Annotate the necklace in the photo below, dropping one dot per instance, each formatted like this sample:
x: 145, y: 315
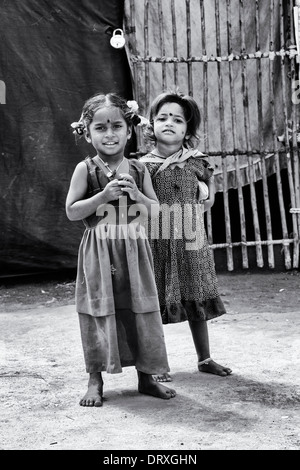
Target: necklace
x: 111, y: 173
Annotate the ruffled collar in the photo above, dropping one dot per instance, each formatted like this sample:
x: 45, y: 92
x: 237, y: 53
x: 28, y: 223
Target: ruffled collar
x: 177, y: 159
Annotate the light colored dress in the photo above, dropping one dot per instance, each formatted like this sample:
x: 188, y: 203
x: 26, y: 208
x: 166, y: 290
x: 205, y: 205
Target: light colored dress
x: 116, y: 294
x: 183, y: 261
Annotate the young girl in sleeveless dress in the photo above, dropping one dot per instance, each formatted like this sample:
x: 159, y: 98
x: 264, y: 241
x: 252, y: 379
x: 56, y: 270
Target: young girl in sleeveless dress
x: 183, y: 261
x: 116, y: 295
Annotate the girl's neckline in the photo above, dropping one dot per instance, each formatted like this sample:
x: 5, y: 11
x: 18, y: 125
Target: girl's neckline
x: 112, y: 173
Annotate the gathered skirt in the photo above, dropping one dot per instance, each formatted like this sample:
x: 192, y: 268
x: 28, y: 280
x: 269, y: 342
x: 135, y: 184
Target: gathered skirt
x: 117, y: 301
x: 124, y: 339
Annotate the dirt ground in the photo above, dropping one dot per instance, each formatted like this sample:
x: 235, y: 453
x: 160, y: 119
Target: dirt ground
x: 42, y: 375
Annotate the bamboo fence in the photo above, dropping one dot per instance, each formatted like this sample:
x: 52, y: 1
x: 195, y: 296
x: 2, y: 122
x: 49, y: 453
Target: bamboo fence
x: 276, y: 70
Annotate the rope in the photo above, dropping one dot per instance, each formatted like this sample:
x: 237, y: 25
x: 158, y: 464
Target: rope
x: 291, y: 53
x: 284, y: 242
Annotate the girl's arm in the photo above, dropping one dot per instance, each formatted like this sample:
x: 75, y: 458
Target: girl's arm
x: 150, y: 193
x: 77, y: 206
x: 148, y: 190
x: 209, y: 202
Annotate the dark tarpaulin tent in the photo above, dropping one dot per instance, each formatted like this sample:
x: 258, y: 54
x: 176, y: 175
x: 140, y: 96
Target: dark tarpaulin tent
x: 53, y: 56
x: 236, y: 58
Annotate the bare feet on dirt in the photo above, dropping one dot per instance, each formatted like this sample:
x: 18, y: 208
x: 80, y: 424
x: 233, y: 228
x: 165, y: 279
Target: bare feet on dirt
x: 94, y: 394
x: 162, y: 378
x: 213, y: 367
x: 149, y: 386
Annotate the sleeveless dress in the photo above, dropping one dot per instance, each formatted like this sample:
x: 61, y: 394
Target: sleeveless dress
x: 116, y: 295
x: 183, y: 261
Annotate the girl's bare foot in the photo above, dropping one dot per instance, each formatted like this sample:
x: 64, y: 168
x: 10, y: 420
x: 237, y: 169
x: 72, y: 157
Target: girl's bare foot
x: 212, y: 367
x: 162, y: 378
x: 149, y: 386
x: 94, y: 394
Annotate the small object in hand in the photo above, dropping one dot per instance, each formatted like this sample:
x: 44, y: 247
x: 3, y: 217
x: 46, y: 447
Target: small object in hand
x: 123, y: 178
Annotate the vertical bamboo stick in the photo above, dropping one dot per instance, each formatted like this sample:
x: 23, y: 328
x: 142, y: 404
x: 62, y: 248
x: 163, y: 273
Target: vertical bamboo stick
x: 162, y: 43
x: 296, y: 119
x: 286, y: 249
x: 133, y: 42
x: 259, y: 255
x: 295, y: 127
x: 260, y: 123
x: 135, y: 69
x: 245, y: 263
x: 146, y: 53
x: 204, y: 81
x: 189, y: 47
x: 287, y: 146
x: 230, y: 264
x: 296, y: 161
x: 174, y: 35
x: 205, y: 110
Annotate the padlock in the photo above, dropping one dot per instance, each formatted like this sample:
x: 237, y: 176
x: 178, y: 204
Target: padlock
x: 117, y: 40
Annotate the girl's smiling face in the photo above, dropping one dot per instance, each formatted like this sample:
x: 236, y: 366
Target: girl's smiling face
x: 108, y: 132
x: 170, y: 126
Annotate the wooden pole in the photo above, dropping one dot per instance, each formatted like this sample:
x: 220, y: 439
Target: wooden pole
x: 146, y: 53
x: 162, y: 43
x: 259, y: 255
x: 245, y: 263
x: 133, y: 40
x: 230, y: 264
x: 287, y: 145
x: 295, y: 126
x: 260, y: 123
x: 205, y: 110
x: 189, y: 48
x: 174, y: 36
x: 286, y: 250
x: 204, y: 80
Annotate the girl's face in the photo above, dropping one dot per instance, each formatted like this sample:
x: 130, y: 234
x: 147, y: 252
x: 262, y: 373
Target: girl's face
x: 170, y: 126
x: 108, y: 132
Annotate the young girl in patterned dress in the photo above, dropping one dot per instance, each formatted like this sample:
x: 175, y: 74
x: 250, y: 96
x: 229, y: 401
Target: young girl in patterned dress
x: 183, y: 261
x: 116, y: 296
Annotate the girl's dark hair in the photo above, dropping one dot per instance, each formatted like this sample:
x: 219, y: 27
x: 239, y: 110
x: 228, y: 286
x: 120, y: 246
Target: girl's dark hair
x: 99, y: 101
x: 190, y: 109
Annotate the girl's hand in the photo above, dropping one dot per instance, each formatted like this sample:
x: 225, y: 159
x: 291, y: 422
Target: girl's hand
x: 209, y: 202
x: 128, y: 185
x: 112, y: 191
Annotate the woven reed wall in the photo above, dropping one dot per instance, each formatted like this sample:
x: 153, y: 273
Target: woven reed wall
x: 240, y: 61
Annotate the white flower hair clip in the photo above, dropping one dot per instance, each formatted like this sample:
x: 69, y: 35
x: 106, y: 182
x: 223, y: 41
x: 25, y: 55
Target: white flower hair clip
x: 133, y: 114
x: 133, y: 106
x: 78, y: 127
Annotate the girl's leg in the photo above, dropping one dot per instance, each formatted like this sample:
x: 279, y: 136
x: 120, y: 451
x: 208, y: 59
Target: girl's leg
x: 200, y: 336
x: 149, y: 386
x: 94, y: 394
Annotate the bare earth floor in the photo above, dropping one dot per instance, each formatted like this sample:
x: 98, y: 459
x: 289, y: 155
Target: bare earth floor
x: 42, y: 375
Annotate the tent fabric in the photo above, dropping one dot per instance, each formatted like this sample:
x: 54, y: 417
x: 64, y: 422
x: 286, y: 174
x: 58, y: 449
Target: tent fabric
x: 164, y: 35
x: 53, y: 56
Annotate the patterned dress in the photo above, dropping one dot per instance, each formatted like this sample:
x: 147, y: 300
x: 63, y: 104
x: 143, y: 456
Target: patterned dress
x: 183, y: 261
x: 116, y: 295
